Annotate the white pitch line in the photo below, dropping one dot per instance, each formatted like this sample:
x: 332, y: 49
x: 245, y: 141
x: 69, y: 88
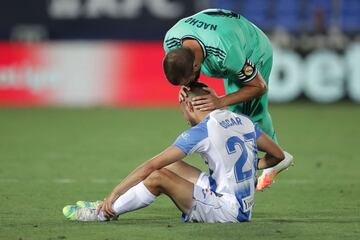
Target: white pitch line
x: 98, y: 180
x: 59, y: 180
x: 104, y: 181
x: 9, y: 180
x: 64, y: 180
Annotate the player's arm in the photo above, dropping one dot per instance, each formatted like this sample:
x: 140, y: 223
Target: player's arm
x: 167, y: 157
x: 273, y: 153
x: 250, y: 90
x: 247, y: 74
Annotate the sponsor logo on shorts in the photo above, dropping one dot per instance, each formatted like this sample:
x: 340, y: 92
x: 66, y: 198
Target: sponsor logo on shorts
x: 204, y: 191
x: 247, y: 203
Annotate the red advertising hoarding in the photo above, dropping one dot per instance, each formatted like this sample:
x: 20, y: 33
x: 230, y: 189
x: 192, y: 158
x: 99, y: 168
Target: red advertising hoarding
x: 110, y: 73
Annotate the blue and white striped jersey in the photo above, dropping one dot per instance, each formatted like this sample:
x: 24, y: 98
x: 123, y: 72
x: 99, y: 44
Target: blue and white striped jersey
x: 227, y: 143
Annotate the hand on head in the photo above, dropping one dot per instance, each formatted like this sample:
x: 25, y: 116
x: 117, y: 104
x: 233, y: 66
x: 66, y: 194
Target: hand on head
x: 203, y: 98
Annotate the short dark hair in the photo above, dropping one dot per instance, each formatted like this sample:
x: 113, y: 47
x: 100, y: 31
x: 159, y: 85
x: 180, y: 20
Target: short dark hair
x: 196, y: 89
x: 178, y: 64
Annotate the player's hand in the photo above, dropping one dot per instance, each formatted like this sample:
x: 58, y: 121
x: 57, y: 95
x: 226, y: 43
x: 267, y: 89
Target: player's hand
x: 207, y: 102
x: 106, y: 208
x: 182, y: 93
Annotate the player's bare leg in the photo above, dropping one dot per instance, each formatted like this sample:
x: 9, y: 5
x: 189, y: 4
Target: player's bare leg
x: 185, y: 171
x: 177, y: 188
x: 180, y: 168
x: 141, y: 195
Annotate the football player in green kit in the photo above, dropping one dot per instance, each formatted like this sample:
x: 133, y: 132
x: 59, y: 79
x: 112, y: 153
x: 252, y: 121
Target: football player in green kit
x: 223, y: 44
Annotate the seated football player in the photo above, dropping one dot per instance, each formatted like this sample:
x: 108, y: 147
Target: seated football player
x: 228, y: 143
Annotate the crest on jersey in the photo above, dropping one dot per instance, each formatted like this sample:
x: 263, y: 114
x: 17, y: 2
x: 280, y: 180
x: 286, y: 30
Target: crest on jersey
x: 248, y: 71
x: 185, y: 136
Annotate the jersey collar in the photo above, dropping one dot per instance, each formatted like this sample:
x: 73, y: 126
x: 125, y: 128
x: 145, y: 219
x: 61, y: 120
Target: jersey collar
x: 199, y: 41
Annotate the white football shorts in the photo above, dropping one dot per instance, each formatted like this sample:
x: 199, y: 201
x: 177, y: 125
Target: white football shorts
x: 210, y: 207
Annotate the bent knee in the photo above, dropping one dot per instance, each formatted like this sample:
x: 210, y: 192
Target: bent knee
x: 156, y: 177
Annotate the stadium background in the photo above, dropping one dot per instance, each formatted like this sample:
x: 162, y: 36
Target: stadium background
x: 83, y: 101
x: 90, y: 52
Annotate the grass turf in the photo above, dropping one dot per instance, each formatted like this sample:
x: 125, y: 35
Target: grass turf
x: 53, y: 157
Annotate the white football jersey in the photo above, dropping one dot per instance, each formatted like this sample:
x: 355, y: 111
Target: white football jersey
x: 227, y: 143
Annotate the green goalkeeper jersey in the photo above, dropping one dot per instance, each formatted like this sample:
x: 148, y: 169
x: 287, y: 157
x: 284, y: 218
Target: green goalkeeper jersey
x: 233, y: 48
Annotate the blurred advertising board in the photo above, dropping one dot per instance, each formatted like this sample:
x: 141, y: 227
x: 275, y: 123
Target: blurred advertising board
x: 90, y: 19
x: 322, y: 75
x: 85, y: 74
x: 130, y: 74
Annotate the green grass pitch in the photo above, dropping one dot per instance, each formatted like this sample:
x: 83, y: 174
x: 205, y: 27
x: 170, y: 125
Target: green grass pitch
x: 53, y: 157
